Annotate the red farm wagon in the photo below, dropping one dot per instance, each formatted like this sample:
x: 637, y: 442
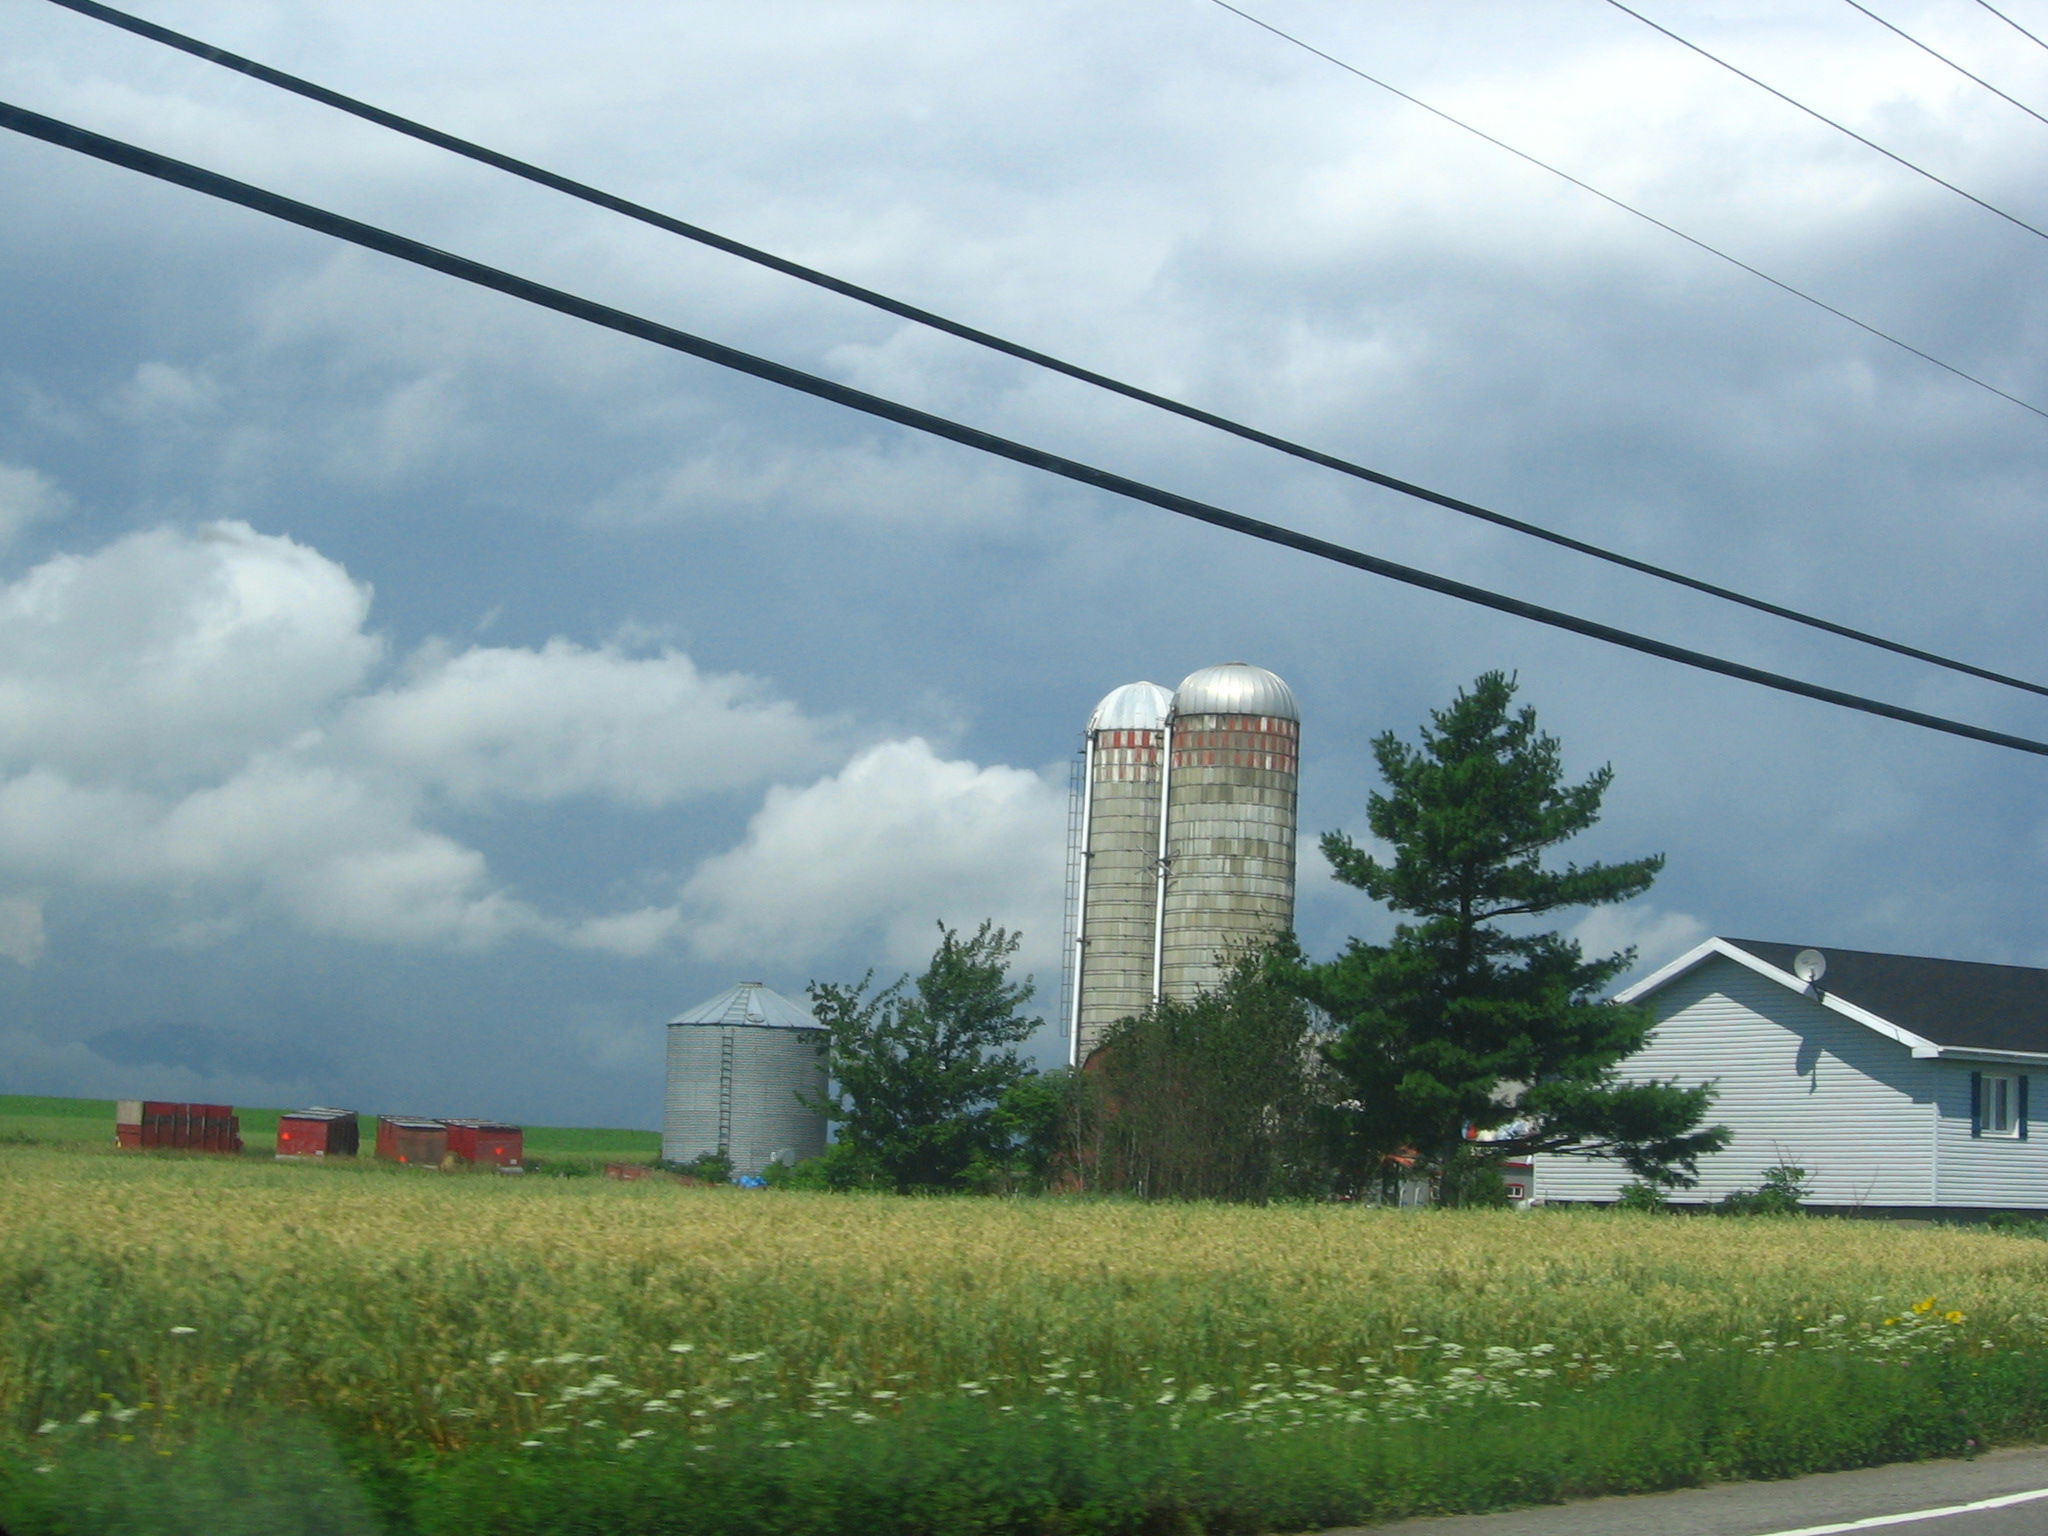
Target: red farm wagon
x: 318, y: 1132
x: 410, y: 1139
x: 486, y: 1141
x: 169, y: 1123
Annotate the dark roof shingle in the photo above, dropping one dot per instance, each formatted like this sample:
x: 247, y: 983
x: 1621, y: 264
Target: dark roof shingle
x: 1961, y: 1003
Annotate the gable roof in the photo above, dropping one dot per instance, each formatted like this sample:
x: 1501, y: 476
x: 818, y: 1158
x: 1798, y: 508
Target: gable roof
x: 1935, y: 1007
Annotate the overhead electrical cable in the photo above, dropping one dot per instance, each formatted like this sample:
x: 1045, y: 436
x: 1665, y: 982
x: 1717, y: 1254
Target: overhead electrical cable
x: 1044, y: 360
x: 2023, y: 32
x: 1951, y: 63
x: 1629, y: 208
x: 1842, y: 128
x: 338, y: 226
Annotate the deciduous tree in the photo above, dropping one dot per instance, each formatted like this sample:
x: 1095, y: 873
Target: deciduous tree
x: 1213, y: 1098
x: 919, y: 1067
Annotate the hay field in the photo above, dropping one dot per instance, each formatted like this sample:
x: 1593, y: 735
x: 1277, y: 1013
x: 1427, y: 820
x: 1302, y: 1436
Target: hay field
x: 433, y: 1316
x: 384, y: 1294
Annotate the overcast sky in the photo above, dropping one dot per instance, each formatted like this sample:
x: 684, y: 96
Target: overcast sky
x: 411, y: 699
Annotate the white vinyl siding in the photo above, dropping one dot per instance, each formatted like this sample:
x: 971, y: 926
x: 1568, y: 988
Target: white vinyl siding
x: 1797, y: 1083
x: 1990, y: 1171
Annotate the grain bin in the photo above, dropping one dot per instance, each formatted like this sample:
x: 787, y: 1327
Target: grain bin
x: 737, y: 1064
x: 1117, y: 863
x: 1227, y: 850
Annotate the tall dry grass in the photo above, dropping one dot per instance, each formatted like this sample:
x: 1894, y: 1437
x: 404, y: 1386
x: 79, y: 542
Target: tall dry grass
x: 421, y: 1307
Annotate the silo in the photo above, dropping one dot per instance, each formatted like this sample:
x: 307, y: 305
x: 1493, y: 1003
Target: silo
x: 736, y: 1065
x: 1114, y: 957
x: 1232, y: 773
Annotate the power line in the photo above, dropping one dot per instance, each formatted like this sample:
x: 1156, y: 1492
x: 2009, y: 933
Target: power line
x: 2023, y: 32
x: 1629, y: 208
x: 645, y: 215
x: 323, y: 221
x: 1951, y: 63
x: 1842, y: 128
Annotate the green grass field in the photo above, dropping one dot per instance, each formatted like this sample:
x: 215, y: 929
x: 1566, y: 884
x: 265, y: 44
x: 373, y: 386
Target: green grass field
x: 248, y: 1345
x: 29, y: 1119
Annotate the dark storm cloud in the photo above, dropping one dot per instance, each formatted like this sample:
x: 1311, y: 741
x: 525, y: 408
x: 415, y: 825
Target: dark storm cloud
x: 1153, y: 190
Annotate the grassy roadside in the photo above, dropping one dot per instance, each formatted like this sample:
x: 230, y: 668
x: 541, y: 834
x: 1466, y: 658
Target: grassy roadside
x: 306, y: 1345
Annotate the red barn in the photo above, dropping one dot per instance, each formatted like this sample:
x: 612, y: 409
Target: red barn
x: 486, y: 1141
x: 410, y: 1139
x: 318, y: 1132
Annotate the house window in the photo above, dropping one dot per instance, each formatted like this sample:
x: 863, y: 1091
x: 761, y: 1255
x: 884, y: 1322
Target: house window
x: 1998, y: 1105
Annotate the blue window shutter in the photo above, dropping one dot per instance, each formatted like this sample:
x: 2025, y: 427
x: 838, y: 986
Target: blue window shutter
x: 1976, y: 1103
x: 2020, y: 1109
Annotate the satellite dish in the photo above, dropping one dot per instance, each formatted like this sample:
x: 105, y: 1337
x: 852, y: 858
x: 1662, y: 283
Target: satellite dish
x: 1809, y: 965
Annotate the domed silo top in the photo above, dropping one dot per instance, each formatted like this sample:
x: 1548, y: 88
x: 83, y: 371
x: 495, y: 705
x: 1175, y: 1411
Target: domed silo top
x: 1133, y: 707
x: 749, y: 1003
x: 1236, y: 688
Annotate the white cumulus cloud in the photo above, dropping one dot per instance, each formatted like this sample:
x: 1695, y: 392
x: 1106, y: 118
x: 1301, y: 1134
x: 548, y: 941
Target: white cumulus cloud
x: 200, y: 715
x: 26, y: 496
x: 877, y: 853
x: 568, y: 720
x: 171, y: 654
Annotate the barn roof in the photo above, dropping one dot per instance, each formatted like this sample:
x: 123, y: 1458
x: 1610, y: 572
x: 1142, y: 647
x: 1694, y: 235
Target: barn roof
x: 1937, y: 1007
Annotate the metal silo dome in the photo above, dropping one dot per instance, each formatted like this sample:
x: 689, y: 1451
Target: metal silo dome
x: 1235, y: 688
x: 741, y: 1066
x: 1133, y: 707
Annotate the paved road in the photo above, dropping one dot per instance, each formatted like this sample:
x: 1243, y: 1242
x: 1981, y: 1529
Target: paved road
x: 1830, y: 1501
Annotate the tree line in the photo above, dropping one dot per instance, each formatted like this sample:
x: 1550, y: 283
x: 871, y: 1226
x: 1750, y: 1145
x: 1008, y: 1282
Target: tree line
x: 1470, y: 1038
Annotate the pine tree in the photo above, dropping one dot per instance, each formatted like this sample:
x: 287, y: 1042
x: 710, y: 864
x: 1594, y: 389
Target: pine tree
x: 1472, y: 1036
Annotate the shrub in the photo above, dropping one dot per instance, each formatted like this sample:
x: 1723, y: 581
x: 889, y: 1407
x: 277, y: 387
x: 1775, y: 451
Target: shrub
x: 1783, y: 1193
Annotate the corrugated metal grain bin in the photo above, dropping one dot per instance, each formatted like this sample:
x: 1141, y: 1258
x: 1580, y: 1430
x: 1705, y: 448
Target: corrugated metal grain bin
x: 486, y: 1141
x: 412, y: 1140
x: 318, y: 1132
x: 745, y: 1074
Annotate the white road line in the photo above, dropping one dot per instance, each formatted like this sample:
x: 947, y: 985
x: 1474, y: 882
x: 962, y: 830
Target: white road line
x: 2001, y: 1502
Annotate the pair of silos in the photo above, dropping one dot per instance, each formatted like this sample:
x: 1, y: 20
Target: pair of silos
x: 1185, y: 838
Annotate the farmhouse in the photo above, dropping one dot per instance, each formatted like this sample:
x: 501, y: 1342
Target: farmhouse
x: 1900, y: 1084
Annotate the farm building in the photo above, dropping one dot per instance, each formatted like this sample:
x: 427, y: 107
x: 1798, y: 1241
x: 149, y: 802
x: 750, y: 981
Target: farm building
x: 318, y: 1132
x: 1901, y: 1085
x: 1180, y: 847
x: 741, y: 1066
